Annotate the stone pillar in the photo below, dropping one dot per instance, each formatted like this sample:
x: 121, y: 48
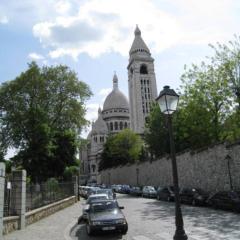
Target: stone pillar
x: 18, y: 197
x: 75, y: 185
x: 2, y: 185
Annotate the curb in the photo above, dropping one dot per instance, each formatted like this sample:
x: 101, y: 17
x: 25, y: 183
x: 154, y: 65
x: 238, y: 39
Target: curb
x: 69, y: 229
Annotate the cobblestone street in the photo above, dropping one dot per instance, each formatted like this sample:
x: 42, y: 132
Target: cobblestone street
x: 149, y: 219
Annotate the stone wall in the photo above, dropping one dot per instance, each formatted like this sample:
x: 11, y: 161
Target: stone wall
x: 207, y: 169
x: 12, y: 223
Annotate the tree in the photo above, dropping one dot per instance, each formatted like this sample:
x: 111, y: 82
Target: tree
x: 228, y: 57
x: 156, y: 132
x: 122, y: 148
x: 204, y: 106
x: 36, y: 108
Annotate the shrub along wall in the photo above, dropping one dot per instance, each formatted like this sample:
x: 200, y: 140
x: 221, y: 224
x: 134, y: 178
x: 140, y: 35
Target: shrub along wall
x: 208, y: 169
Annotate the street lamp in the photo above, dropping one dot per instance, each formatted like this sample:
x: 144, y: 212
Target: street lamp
x: 168, y: 101
x: 228, y: 158
x: 137, y: 173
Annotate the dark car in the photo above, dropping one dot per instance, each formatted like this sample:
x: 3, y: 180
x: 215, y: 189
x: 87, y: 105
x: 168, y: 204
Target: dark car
x: 106, y: 216
x: 124, y: 189
x: 226, y: 200
x: 194, y: 196
x: 149, y: 191
x: 165, y: 193
x: 136, y: 191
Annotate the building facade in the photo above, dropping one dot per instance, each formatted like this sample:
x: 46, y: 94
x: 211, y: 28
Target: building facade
x: 117, y: 113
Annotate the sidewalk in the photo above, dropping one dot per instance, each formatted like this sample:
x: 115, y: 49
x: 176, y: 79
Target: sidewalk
x: 54, y: 227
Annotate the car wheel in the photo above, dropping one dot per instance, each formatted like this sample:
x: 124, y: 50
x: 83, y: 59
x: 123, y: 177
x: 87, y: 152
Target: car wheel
x: 80, y: 220
x: 124, y: 232
x: 89, y: 230
x: 194, y: 202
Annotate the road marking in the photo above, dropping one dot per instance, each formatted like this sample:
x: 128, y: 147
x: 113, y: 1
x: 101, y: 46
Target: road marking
x: 140, y: 237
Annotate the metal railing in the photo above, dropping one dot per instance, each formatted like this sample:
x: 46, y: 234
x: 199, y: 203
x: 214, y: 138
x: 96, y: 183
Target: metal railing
x: 38, y: 195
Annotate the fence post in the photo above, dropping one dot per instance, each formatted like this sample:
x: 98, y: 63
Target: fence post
x: 75, y: 186
x: 19, y: 195
x: 2, y: 188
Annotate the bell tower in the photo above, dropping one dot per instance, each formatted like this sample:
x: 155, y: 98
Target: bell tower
x: 142, y: 85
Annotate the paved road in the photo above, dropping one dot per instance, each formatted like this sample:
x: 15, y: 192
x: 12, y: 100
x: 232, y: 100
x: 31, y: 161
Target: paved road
x: 150, y: 219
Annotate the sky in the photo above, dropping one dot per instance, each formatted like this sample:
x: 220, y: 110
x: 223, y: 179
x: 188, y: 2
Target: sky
x: 93, y: 37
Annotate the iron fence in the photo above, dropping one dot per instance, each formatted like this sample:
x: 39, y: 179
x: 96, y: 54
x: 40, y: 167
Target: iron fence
x: 38, y: 195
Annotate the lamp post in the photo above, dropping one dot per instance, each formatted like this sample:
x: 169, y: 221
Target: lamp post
x: 228, y: 158
x: 168, y: 101
x: 109, y: 178
x: 137, y: 173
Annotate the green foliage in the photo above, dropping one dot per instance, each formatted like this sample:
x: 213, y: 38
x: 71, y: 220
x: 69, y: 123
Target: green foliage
x: 156, y: 133
x: 52, y: 185
x: 228, y: 57
x: 206, y: 113
x: 122, y: 148
x: 70, y: 171
x: 41, y: 112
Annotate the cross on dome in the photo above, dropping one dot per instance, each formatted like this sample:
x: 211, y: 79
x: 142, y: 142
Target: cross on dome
x: 115, y: 81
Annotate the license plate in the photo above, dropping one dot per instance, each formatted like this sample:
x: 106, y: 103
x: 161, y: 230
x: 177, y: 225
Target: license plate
x: 108, y: 228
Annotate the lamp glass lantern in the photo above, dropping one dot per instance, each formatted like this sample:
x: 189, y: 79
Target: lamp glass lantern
x: 168, y: 100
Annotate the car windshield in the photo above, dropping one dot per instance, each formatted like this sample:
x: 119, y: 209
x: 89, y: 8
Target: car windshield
x: 151, y: 188
x: 103, y: 206
x: 92, y: 199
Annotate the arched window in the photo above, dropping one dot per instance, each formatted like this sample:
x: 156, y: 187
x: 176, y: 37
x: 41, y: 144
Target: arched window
x: 116, y: 125
x: 121, y: 125
x: 143, y: 69
x: 111, y: 126
x: 126, y: 125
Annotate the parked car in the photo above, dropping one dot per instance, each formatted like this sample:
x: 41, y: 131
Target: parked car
x: 109, y: 192
x: 106, y: 216
x: 136, y: 191
x: 92, y: 190
x: 226, y: 200
x: 166, y: 193
x: 149, y: 191
x: 194, y: 196
x: 124, y: 189
x: 92, y: 198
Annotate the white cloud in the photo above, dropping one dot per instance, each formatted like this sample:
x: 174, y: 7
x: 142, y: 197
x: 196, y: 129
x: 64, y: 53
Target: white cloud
x: 92, y: 111
x: 35, y: 56
x: 104, y: 92
x: 3, y: 20
x: 62, y: 7
x: 101, y: 26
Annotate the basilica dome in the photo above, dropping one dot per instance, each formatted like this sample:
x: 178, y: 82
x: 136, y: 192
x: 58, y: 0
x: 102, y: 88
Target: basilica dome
x: 116, y: 99
x: 100, y: 126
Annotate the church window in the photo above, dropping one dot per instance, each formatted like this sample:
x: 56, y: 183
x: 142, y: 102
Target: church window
x: 93, y: 167
x: 111, y: 126
x: 116, y: 125
x: 143, y: 69
x: 125, y: 125
x: 121, y: 125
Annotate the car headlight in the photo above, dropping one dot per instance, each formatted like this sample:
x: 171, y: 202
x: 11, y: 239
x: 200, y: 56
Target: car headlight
x: 96, y: 223
x: 120, y: 221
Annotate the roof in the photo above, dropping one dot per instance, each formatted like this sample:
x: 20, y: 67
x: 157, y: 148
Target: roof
x: 116, y: 99
x: 100, y: 126
x: 138, y: 44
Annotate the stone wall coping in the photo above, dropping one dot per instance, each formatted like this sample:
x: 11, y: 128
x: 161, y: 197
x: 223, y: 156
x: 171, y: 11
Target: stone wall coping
x: 10, y: 218
x: 48, y: 206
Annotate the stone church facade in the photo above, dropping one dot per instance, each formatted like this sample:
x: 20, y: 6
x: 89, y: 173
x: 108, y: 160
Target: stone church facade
x: 117, y: 113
